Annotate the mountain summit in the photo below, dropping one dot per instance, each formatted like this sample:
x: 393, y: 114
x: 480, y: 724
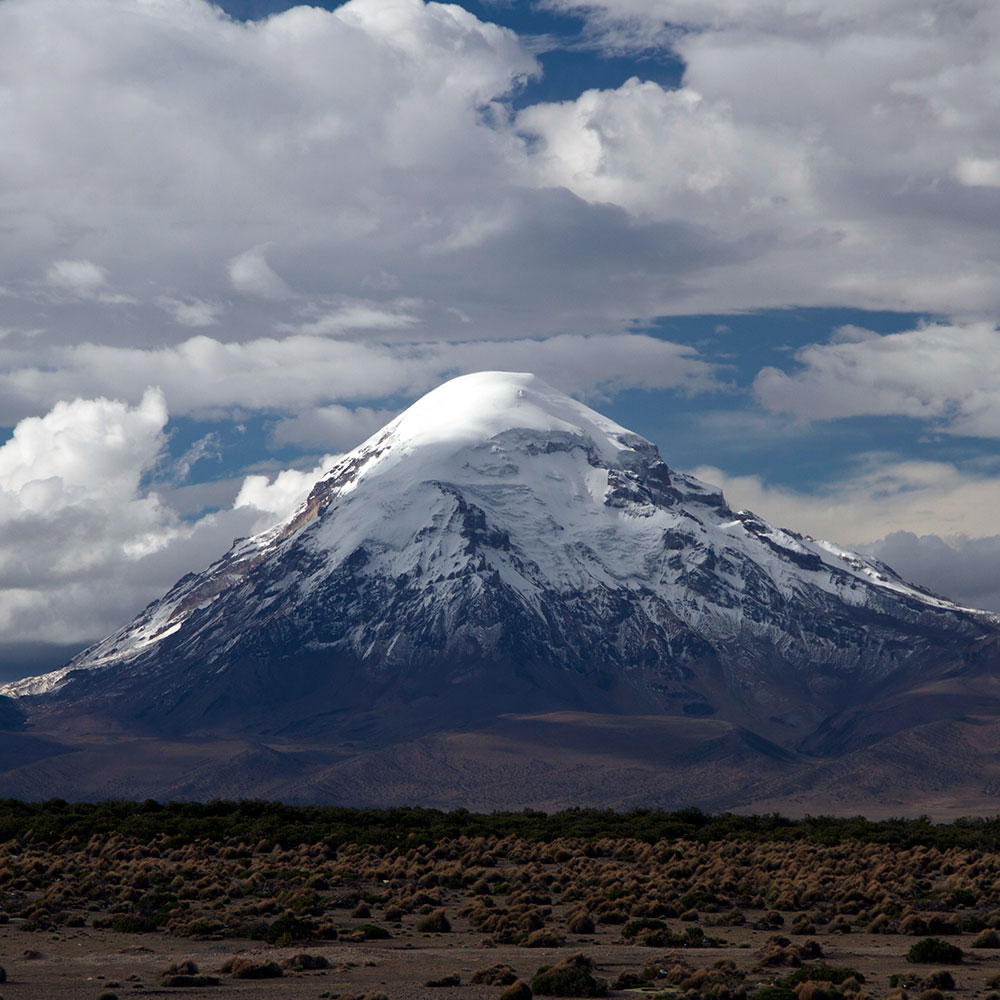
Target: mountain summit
x: 501, y: 550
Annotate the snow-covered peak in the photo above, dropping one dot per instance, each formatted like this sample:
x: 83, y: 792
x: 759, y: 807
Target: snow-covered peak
x: 474, y: 408
x: 471, y: 410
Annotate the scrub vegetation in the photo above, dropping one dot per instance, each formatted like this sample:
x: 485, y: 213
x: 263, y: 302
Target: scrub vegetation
x: 687, y: 905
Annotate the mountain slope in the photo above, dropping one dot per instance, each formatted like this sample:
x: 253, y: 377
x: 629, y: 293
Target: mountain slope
x: 500, y: 547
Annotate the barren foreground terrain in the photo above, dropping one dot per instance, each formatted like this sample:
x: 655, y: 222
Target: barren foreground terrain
x: 461, y: 918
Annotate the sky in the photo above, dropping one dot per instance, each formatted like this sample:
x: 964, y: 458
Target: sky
x: 238, y: 238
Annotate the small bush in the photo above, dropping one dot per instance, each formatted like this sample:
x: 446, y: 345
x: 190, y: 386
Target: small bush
x: 986, y: 939
x: 942, y: 980
x: 436, y: 922
x: 543, y: 939
x: 518, y: 990
x: 182, y: 980
x: 635, y: 927
x: 452, y: 980
x: 305, y: 963
x: 821, y: 974
x: 494, y: 975
x: 288, y: 928
x: 247, y: 968
x: 572, y: 977
x: 372, y: 932
x: 934, y: 950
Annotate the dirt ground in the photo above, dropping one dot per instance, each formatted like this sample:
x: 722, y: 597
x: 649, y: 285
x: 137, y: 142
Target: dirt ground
x: 768, y: 909
x: 85, y: 963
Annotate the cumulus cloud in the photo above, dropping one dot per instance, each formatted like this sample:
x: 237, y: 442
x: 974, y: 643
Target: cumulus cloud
x: 945, y: 373
x: 284, y: 160
x: 277, y: 497
x: 853, y: 141
x: 812, y: 156
x: 84, y: 542
x: 668, y: 154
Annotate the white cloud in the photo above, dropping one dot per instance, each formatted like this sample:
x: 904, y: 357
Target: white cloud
x: 203, y: 375
x: 944, y: 373
x: 886, y: 495
x: 355, y: 315
x: 813, y: 156
x: 279, y: 496
x: 854, y: 143
x: 84, y: 280
x: 284, y: 160
x: 668, y: 155
x: 192, y: 312
x: 250, y: 273
x: 84, y: 542
x: 978, y: 172
x: 81, y: 277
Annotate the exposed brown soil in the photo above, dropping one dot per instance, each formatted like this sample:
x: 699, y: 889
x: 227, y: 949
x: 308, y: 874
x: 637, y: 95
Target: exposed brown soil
x: 766, y: 909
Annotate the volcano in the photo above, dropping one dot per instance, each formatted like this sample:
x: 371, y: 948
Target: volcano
x: 502, y: 583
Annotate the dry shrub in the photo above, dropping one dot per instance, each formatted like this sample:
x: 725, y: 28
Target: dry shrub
x: 779, y: 951
x: 435, y: 922
x: 518, y: 990
x: 543, y: 939
x: 572, y: 977
x: 812, y: 990
x: 987, y: 938
x: 452, y: 980
x: 941, y: 980
x: 494, y: 975
x: 248, y: 968
x: 305, y: 963
x: 185, y: 974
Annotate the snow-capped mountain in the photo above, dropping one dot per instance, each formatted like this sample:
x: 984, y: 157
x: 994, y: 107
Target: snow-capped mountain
x: 501, y: 547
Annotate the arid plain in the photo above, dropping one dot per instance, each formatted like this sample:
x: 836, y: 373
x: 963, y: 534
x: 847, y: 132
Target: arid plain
x: 464, y: 917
